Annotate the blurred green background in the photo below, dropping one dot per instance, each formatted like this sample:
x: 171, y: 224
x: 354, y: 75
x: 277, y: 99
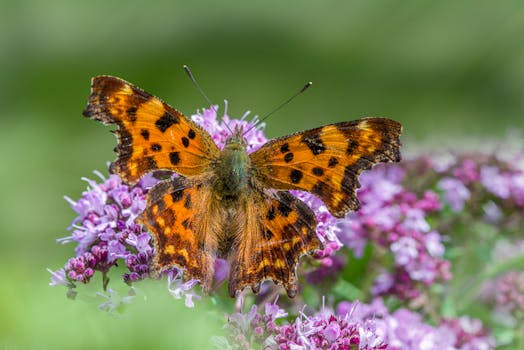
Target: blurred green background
x: 448, y: 70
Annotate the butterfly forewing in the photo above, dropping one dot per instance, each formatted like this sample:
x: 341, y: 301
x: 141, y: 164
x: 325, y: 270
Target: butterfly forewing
x: 326, y: 161
x: 151, y: 134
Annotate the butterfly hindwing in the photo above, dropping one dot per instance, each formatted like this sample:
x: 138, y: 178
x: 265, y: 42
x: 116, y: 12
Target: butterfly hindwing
x: 327, y: 161
x: 175, y: 214
x: 151, y: 134
x: 279, y: 229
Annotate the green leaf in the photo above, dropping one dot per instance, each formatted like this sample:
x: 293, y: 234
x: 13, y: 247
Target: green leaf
x: 347, y: 291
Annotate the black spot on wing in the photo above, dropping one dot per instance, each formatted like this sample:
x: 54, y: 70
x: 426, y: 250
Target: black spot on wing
x: 313, y: 141
x: 155, y: 147
x: 169, y: 217
x: 180, y: 259
x: 352, y: 147
x: 150, y: 162
x: 296, y: 176
x: 317, y: 171
x: 298, y: 246
x: 145, y: 134
x: 185, y: 141
x: 177, y: 195
x: 191, y: 134
x: 165, y: 121
x: 319, y: 189
x: 288, y: 157
x: 284, y: 209
x: 131, y: 113
x: 284, y: 148
x: 332, y: 162
x: 187, y: 203
x: 270, y: 213
x: 174, y: 158
x: 267, y: 234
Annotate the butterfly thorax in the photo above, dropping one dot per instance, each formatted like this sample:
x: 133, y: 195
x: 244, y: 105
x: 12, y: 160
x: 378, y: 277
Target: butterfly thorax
x: 231, y: 169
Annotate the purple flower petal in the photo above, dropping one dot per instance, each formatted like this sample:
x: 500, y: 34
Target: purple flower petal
x: 455, y: 193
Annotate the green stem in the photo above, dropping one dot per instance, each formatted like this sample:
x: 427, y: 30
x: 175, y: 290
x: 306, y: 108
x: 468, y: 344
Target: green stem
x: 105, y: 280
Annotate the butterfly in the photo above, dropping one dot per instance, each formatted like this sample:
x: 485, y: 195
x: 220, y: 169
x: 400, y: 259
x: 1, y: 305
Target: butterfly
x: 228, y: 203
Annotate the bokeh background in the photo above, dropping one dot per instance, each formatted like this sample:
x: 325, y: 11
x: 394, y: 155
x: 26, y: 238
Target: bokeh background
x: 449, y: 70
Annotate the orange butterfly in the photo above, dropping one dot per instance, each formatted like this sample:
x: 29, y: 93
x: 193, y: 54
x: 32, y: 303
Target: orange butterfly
x: 229, y: 203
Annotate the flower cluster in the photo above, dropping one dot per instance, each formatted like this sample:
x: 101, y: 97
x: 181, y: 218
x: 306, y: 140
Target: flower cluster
x: 394, y: 217
x: 352, y: 326
x: 466, y: 333
x: 250, y: 330
x: 411, y: 209
x: 105, y: 231
x: 488, y: 184
x: 328, y: 331
x: 510, y: 293
x: 506, y: 292
x: 405, y: 329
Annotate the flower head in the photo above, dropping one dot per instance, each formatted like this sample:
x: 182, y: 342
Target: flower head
x: 353, y: 326
x: 455, y: 193
x: 328, y: 331
x: 396, y: 218
x: 406, y: 329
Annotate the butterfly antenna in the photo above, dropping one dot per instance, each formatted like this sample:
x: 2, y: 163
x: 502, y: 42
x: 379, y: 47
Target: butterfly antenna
x: 258, y: 122
x: 193, y: 80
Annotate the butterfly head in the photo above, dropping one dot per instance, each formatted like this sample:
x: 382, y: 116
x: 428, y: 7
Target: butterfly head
x: 237, y: 138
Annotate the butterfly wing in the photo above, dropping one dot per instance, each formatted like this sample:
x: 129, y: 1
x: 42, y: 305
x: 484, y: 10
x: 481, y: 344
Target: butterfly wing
x: 179, y: 215
x: 151, y: 134
x: 327, y: 161
x: 279, y: 229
